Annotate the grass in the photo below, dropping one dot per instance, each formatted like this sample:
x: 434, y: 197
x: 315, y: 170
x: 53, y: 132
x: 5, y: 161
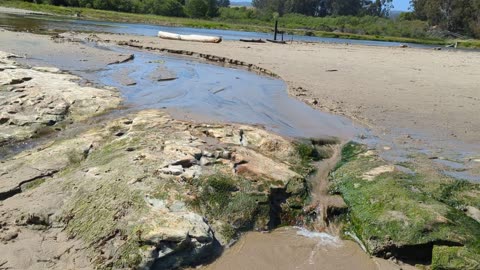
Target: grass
x: 218, y: 199
x: 347, y: 27
x: 33, y: 184
x: 306, y: 153
x: 446, y: 258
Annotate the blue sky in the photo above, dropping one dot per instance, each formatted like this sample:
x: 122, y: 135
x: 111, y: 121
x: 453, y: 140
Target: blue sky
x: 401, y: 4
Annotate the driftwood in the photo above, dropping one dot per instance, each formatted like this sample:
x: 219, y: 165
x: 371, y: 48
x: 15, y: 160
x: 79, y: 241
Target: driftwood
x: 277, y: 41
x: 198, y: 38
x: 253, y: 40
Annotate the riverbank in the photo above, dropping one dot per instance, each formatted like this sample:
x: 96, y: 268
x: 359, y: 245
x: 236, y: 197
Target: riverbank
x: 124, y: 154
x: 228, y: 24
x: 406, y: 96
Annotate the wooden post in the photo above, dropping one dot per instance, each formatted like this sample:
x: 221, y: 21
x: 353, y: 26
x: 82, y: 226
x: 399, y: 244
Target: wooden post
x: 276, y: 29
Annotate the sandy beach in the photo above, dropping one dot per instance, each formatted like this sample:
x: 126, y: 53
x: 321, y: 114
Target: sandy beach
x: 411, y: 101
x: 423, y: 98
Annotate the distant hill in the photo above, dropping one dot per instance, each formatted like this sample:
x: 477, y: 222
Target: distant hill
x: 240, y: 4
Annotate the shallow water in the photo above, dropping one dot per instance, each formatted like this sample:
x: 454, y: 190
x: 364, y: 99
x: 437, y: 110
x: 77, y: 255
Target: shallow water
x: 205, y: 92
x: 36, y: 23
x: 193, y: 90
x: 290, y: 248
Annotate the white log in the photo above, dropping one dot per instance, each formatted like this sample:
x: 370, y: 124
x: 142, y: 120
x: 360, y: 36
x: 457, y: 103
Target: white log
x: 198, y: 38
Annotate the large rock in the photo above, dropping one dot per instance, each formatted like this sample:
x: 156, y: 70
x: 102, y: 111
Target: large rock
x: 136, y: 194
x: 37, y: 100
x: 413, y: 216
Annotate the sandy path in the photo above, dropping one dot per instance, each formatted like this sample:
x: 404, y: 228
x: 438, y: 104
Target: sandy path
x: 418, y: 96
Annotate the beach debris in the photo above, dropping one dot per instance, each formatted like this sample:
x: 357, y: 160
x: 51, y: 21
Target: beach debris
x: 277, y: 41
x: 197, y: 38
x: 124, y: 60
x: 253, y: 40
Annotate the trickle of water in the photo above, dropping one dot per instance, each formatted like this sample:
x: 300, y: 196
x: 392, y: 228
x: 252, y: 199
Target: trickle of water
x: 323, y: 238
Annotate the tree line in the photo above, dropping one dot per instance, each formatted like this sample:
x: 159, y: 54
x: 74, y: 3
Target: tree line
x: 322, y: 8
x: 176, y: 8
x: 460, y: 16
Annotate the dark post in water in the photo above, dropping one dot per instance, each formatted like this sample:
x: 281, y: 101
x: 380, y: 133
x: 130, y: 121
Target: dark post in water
x: 276, y: 30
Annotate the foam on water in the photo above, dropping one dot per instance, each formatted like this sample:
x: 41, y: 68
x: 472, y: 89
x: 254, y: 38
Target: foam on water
x: 324, y: 238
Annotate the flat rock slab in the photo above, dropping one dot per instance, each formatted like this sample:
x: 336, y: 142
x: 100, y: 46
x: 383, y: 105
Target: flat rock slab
x: 34, y: 100
x: 135, y: 192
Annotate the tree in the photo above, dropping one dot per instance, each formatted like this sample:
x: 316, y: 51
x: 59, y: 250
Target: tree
x: 223, y: 3
x: 212, y: 8
x: 171, y: 8
x: 201, y: 8
x: 379, y: 8
x: 195, y: 8
x: 326, y: 7
x: 453, y: 15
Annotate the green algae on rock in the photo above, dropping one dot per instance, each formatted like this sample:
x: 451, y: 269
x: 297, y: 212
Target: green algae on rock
x: 392, y: 213
x: 149, y: 192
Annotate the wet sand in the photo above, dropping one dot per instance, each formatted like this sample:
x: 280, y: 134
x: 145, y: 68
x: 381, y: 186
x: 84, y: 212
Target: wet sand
x: 417, y: 97
x: 189, y: 89
x: 369, y: 86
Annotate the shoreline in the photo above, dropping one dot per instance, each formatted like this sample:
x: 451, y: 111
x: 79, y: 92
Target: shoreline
x: 419, y: 118
x: 113, y: 16
x: 241, y: 49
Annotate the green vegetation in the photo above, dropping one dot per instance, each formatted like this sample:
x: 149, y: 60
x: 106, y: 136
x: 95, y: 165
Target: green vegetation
x: 218, y: 199
x: 448, y: 258
x: 459, y: 16
x: 322, y: 8
x: 240, y: 18
x: 33, y: 184
x: 307, y: 153
x: 93, y: 214
x: 394, y: 208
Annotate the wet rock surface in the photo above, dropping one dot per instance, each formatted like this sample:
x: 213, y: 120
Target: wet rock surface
x: 145, y: 199
x: 421, y: 218
x: 35, y: 101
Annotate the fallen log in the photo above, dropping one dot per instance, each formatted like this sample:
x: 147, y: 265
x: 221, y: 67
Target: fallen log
x: 253, y: 40
x: 197, y: 38
x: 277, y: 41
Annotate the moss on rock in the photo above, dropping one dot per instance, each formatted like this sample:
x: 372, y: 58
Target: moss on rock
x: 391, y: 213
x: 452, y: 258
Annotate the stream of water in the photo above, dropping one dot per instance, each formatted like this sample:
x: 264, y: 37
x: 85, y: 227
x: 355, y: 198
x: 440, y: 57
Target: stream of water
x: 194, y: 90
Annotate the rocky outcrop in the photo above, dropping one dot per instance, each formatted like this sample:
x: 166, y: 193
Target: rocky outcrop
x: 408, y: 214
x: 146, y: 192
x: 35, y: 101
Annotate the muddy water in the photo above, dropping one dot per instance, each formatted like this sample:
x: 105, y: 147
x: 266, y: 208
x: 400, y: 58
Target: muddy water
x: 291, y: 248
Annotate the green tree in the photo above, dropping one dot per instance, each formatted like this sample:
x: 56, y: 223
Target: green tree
x: 171, y: 8
x: 223, y: 3
x: 196, y: 8
x: 454, y: 15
